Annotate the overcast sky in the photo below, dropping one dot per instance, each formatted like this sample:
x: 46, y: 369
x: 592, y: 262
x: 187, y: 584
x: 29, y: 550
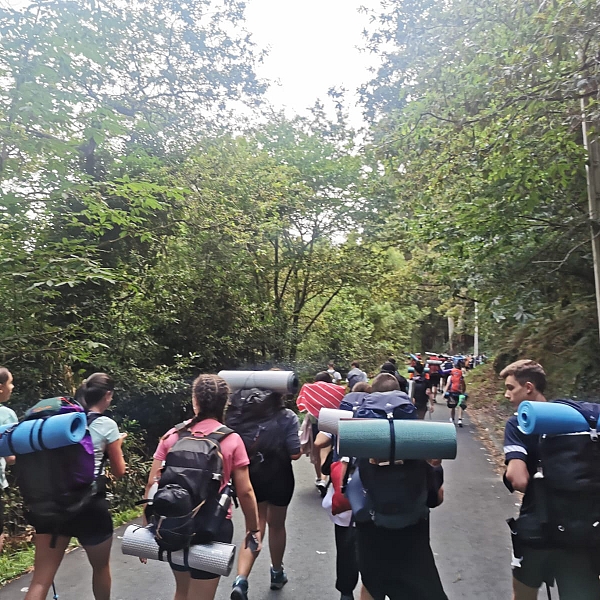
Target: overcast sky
x: 313, y: 47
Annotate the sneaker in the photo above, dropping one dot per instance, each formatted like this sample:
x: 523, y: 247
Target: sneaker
x: 460, y: 422
x: 322, y: 487
x: 278, y: 579
x: 239, y: 590
x: 451, y: 420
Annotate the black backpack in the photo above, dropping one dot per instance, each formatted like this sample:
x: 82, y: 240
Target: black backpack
x: 57, y: 484
x: 568, y: 497
x: 396, y: 492
x: 188, y: 506
x: 261, y: 425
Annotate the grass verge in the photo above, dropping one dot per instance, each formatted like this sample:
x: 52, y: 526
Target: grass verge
x: 17, y: 557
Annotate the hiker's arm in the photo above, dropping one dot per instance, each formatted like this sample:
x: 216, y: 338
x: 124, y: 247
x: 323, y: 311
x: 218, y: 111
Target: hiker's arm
x: 247, y: 500
x: 115, y: 456
x: 10, y: 460
x: 322, y: 441
x: 517, y: 474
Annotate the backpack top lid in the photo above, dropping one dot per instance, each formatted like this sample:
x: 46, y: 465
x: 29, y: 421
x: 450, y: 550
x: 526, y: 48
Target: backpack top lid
x: 392, y: 405
x: 253, y: 403
x: 53, y: 406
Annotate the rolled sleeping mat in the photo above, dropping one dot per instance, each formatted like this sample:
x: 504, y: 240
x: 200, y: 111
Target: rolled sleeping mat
x: 434, y: 362
x: 282, y: 382
x: 370, y: 438
x: 215, y: 558
x: 329, y: 419
x: 549, y: 417
x: 39, y: 434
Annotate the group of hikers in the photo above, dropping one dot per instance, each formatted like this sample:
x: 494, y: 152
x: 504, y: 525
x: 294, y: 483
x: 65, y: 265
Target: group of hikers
x: 242, y: 444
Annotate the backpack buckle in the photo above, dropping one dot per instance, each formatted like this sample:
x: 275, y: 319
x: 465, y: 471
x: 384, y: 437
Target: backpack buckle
x: 594, y: 435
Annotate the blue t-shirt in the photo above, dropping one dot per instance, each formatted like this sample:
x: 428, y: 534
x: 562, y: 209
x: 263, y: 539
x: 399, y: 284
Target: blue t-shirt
x: 518, y: 445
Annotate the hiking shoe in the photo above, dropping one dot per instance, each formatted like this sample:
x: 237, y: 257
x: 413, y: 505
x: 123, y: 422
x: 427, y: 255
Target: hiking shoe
x: 278, y: 579
x: 322, y: 487
x: 460, y: 422
x: 239, y: 590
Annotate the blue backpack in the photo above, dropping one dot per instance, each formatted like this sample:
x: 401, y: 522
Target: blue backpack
x: 393, y: 495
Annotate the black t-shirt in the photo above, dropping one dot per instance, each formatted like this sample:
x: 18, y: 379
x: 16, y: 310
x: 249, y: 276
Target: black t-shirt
x: 518, y: 445
x: 420, y: 387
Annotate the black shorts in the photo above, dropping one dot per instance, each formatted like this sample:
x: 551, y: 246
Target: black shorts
x: 435, y: 379
x: 452, y: 401
x: 275, y: 487
x: 225, y: 536
x: 92, y: 526
x: 398, y: 563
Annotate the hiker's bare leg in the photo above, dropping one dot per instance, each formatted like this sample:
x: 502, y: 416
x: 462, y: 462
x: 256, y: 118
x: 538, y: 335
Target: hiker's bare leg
x: 203, y: 589
x: 99, y: 556
x: 2, y: 538
x: 364, y: 594
x: 523, y: 592
x: 46, y: 563
x: 182, y: 585
x: 277, y: 534
x: 247, y: 557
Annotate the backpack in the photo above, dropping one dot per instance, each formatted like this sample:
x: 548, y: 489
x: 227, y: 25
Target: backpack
x: 352, y: 400
x: 188, y: 505
x: 419, y: 390
x: 457, y: 385
x: 568, y: 503
x: 395, y: 495
x: 260, y: 424
x: 57, y: 484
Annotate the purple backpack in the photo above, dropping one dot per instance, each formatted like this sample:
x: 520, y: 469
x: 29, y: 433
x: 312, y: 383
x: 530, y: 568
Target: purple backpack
x: 56, y: 484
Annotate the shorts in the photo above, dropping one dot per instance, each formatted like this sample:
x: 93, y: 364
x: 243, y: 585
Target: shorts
x: 435, y: 379
x: 92, y: 526
x: 575, y: 572
x: 452, y: 402
x: 225, y: 536
x: 380, y: 553
x: 277, y: 488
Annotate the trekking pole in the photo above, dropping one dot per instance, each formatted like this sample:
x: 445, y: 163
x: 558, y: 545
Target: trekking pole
x: 55, y: 597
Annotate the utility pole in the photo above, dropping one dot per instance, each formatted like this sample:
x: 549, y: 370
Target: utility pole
x: 590, y: 141
x: 476, y: 332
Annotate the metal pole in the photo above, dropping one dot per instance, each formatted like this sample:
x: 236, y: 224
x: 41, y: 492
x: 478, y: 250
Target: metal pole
x: 590, y: 141
x: 450, y: 334
x: 476, y: 333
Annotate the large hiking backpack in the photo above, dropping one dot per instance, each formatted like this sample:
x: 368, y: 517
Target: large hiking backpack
x: 568, y: 499
x: 457, y: 382
x: 390, y: 495
x: 57, y: 484
x: 260, y: 423
x: 188, y: 504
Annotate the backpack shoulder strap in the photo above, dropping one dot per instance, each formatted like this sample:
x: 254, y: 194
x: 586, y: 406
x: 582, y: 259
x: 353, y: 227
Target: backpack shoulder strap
x: 218, y: 435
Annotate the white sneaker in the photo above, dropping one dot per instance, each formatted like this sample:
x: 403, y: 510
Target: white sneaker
x: 460, y: 422
x: 451, y: 420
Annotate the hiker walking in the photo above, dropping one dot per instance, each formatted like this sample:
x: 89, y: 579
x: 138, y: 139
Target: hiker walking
x: 209, y: 396
x: 7, y: 417
x: 270, y: 435
x: 92, y: 524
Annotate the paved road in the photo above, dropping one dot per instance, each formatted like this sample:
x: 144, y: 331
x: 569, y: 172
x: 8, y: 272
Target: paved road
x: 469, y: 537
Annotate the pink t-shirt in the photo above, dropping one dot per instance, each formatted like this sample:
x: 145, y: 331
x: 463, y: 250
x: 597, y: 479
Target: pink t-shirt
x: 232, y: 447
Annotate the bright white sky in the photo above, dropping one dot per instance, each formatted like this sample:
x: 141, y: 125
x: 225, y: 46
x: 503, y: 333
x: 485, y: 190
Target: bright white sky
x: 313, y: 47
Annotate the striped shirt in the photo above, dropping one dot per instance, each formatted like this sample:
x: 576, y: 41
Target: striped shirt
x: 315, y: 396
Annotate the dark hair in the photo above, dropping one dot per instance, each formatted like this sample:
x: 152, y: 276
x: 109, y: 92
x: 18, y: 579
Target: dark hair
x: 354, y: 363
x: 385, y: 382
x: 94, y: 388
x: 4, y: 375
x: 323, y: 376
x: 388, y: 367
x: 362, y: 386
x: 460, y: 364
x: 419, y: 368
x: 527, y: 370
x: 392, y: 360
x: 210, y: 393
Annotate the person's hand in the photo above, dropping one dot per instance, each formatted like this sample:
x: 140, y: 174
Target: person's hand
x: 253, y: 541
x: 144, y: 561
